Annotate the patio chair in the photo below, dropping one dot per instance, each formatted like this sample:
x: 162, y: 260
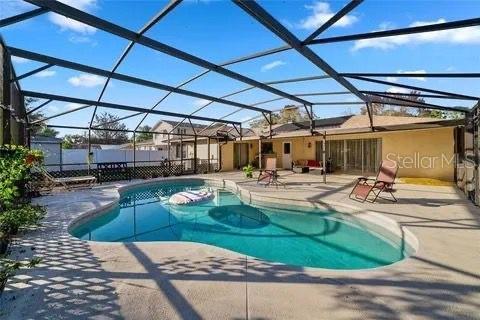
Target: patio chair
x: 382, y: 183
x: 269, y: 175
x: 67, y: 183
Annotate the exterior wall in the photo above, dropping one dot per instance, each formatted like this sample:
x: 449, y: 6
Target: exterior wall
x: 425, y: 153
x: 202, y: 150
x: 227, y: 156
x: 158, y: 139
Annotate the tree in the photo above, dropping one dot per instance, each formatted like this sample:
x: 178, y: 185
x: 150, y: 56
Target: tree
x: 41, y: 129
x: 389, y: 106
x: 108, y: 121
x: 289, y: 113
x: 71, y: 140
x: 144, y: 136
x: 47, y: 132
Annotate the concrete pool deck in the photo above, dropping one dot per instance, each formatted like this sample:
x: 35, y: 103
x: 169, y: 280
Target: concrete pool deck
x: 178, y: 280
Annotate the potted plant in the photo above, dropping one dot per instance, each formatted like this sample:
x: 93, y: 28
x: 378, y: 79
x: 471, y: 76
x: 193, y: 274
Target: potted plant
x: 248, y: 170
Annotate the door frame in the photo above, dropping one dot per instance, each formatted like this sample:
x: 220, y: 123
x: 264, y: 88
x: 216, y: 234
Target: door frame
x: 291, y: 154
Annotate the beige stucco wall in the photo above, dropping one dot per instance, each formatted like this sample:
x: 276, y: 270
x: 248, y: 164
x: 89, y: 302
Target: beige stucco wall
x: 426, y: 153
x: 227, y: 156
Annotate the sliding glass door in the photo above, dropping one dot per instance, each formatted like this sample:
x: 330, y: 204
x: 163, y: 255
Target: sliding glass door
x: 352, y: 155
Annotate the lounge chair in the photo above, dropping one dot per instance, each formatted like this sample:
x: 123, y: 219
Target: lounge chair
x: 67, y: 183
x: 269, y: 175
x: 382, y: 183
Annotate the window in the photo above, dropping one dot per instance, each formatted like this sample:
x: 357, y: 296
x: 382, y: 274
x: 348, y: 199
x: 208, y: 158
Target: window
x: 267, y: 147
x: 286, y: 147
x: 177, y: 151
x: 165, y: 133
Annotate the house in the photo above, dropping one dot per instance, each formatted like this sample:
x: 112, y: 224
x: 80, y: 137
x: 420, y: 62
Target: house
x: 423, y: 147
x: 182, y: 142
x: 143, y: 145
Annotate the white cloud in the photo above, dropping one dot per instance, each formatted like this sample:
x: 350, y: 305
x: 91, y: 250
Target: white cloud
x: 86, y: 80
x: 53, y: 109
x: 321, y: 13
x: 45, y: 74
x: 71, y: 106
x: 415, y: 72
x: 200, y: 102
x: 451, y: 68
x: 397, y: 90
x: 19, y: 60
x: 271, y: 65
x: 72, y: 25
x: 391, y: 79
x: 469, y: 35
x: 79, y: 39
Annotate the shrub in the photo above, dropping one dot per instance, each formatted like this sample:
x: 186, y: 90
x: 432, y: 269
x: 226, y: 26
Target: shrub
x: 248, y: 170
x: 23, y: 215
x: 15, y: 162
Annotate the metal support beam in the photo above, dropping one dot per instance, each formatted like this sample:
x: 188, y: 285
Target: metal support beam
x: 193, y: 128
x: 370, y: 115
x: 181, y: 154
x: 337, y: 103
x: 267, y: 20
x: 195, y: 154
x: 270, y: 124
x: 414, y: 75
x: 208, y: 155
x: 115, y: 29
x: 168, y: 8
x: 37, y: 70
x: 59, y: 114
x: 5, y: 97
x: 22, y: 16
x: 397, y: 32
x: 340, y: 14
x: 312, y: 121
x: 121, y: 118
x: 112, y: 130
x: 39, y: 106
x: 324, y: 156
x: 416, y: 104
x: 388, y: 83
x: 134, y: 153
x: 122, y: 77
x: 119, y: 106
x: 422, y: 95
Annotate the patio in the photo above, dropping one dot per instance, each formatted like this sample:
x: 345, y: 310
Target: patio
x: 193, y: 281
x: 158, y: 91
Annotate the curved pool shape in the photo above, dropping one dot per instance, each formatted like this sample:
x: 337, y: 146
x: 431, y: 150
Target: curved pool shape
x: 311, y: 239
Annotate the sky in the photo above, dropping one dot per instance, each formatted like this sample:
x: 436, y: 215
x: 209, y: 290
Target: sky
x: 219, y: 31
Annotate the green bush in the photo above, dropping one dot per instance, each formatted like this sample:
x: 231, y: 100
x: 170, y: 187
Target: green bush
x: 15, y: 212
x: 15, y: 162
x: 23, y: 215
x: 9, y: 267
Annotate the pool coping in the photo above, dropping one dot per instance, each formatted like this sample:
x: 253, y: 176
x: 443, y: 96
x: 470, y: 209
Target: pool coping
x: 375, y: 222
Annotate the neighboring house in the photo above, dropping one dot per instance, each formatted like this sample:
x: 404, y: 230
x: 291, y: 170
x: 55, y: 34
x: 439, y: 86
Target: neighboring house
x: 182, y: 147
x: 424, y: 147
x: 143, y: 145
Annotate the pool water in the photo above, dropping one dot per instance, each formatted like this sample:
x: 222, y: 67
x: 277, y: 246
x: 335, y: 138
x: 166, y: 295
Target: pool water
x: 313, y: 239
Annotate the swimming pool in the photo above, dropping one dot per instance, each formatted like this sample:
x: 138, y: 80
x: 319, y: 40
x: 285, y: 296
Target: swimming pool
x: 311, y: 238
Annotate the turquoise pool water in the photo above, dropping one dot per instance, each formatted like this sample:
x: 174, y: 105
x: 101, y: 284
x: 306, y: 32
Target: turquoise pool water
x: 313, y: 239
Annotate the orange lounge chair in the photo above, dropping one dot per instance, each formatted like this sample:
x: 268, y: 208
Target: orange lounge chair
x: 269, y: 175
x: 382, y: 183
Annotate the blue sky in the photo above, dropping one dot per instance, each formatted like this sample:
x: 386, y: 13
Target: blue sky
x: 219, y: 31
